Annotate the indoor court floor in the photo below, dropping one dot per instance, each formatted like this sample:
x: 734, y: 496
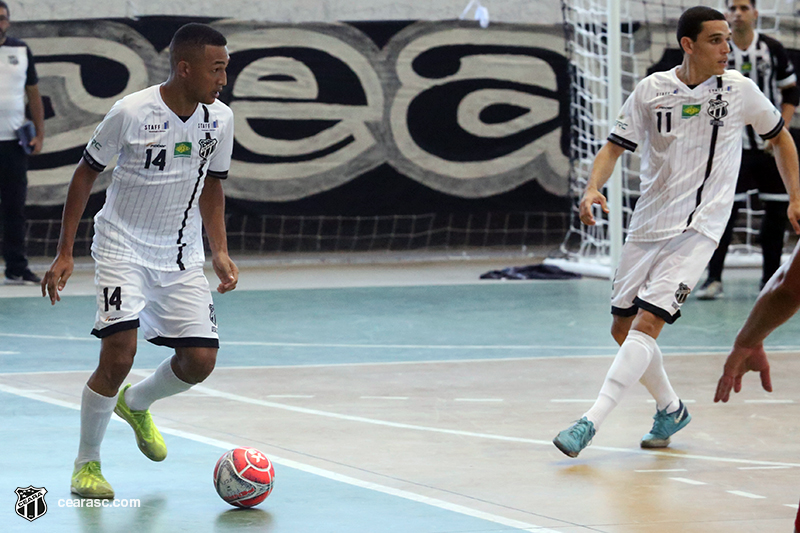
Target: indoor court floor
x: 413, y: 398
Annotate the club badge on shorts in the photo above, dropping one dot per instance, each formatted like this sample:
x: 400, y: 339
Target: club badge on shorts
x: 682, y: 293
x: 30, y: 502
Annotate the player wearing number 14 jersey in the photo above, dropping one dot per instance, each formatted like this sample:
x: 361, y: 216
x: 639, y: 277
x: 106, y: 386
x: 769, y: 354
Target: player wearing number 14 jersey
x: 173, y: 144
x: 688, y: 123
x: 150, y: 216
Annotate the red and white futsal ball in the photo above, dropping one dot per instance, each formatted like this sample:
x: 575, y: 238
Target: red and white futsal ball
x: 244, y: 477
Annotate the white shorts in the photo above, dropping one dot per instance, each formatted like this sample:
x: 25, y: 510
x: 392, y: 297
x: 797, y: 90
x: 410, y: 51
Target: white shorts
x: 174, y: 309
x: 658, y: 276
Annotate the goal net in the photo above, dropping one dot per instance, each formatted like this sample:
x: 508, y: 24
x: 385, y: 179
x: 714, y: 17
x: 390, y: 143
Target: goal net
x: 647, y: 44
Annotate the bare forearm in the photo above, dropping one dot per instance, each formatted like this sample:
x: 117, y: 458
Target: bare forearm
x: 37, y: 108
x: 786, y: 159
x: 212, y: 211
x: 775, y: 305
x: 787, y: 112
x: 603, y: 165
x: 80, y: 187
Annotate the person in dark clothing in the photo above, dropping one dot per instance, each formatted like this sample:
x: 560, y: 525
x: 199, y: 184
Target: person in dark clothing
x: 18, y: 81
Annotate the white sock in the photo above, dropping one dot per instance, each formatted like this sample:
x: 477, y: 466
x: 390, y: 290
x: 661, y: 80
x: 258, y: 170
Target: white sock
x: 657, y: 383
x: 629, y: 365
x: 96, y: 411
x: 160, y: 384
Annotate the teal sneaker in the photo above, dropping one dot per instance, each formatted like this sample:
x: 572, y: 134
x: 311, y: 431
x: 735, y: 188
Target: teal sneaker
x: 665, y: 425
x: 149, y: 439
x: 575, y: 438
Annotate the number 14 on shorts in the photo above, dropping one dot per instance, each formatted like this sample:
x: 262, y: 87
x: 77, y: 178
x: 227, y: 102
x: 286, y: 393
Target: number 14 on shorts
x: 115, y: 299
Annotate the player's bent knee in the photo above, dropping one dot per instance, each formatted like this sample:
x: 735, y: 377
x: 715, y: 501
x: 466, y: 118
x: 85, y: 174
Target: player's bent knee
x: 620, y: 327
x: 196, y: 364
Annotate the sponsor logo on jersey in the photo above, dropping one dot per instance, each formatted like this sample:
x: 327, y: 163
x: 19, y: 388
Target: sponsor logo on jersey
x: 155, y: 145
x: 13, y: 60
x: 206, y: 147
x: 682, y: 293
x: 156, y: 128
x: 690, y: 110
x: 183, y: 149
x: 96, y: 145
x: 666, y: 93
x: 208, y: 126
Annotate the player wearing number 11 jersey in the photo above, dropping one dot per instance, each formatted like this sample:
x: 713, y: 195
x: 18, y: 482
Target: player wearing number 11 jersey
x: 173, y: 143
x: 688, y: 123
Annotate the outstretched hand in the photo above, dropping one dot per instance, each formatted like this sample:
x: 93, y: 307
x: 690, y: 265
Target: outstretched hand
x: 227, y: 272
x: 55, y: 279
x: 740, y: 361
x: 591, y: 197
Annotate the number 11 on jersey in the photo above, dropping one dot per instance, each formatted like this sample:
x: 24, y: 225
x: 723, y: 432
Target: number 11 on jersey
x: 668, y: 120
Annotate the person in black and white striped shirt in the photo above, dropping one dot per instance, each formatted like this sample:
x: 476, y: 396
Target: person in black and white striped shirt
x: 174, y: 143
x: 764, y: 60
x: 688, y: 122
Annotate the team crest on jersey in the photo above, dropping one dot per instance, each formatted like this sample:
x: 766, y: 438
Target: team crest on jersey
x: 183, y: 149
x: 13, y: 60
x: 717, y: 109
x: 207, y: 147
x: 682, y: 293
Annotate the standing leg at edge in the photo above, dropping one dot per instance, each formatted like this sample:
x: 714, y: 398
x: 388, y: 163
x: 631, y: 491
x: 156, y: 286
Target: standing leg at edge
x: 97, y: 403
x: 632, y: 360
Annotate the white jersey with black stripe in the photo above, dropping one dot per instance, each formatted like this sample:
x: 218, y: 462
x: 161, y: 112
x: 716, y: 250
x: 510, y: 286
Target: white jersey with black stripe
x: 766, y: 63
x: 151, y: 215
x: 691, y: 149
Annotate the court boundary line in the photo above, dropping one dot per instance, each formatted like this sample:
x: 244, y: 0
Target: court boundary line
x: 321, y: 472
x: 684, y: 350
x: 488, y: 436
x: 421, y: 362
x: 399, y: 425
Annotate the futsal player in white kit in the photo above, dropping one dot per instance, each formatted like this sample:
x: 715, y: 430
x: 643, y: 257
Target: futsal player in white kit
x: 174, y: 144
x: 688, y: 122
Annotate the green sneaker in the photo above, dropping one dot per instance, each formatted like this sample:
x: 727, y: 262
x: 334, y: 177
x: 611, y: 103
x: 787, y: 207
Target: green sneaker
x: 575, y: 438
x: 149, y: 439
x: 88, y: 482
x: 665, y: 425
